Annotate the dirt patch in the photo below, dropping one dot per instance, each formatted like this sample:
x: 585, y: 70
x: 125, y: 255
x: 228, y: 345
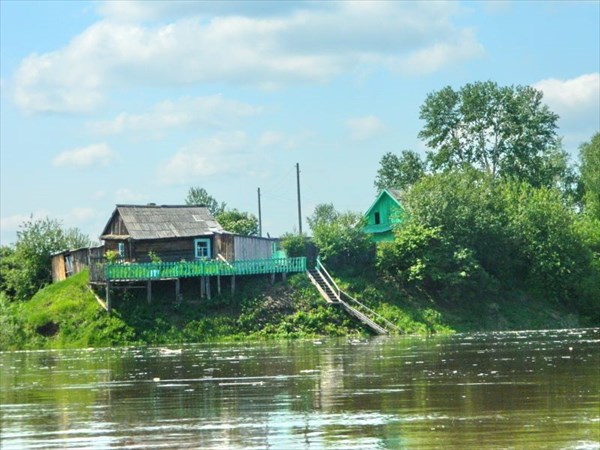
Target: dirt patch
x: 48, y: 329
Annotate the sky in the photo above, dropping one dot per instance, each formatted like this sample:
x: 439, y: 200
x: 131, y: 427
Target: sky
x: 133, y: 102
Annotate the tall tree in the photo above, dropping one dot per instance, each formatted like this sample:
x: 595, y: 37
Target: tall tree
x: 198, y: 196
x: 399, y: 172
x: 324, y: 213
x: 238, y: 222
x: 504, y: 130
x: 589, y: 154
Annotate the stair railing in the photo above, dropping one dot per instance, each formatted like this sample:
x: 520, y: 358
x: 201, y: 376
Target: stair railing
x: 342, y: 294
x: 328, y: 279
x: 371, y: 312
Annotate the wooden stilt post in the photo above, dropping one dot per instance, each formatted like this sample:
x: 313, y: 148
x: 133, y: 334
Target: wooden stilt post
x: 108, y: 296
x: 219, y: 285
x: 232, y: 285
x: 177, y: 290
x: 149, y: 291
x: 202, y: 287
x: 273, y: 278
x: 208, y: 288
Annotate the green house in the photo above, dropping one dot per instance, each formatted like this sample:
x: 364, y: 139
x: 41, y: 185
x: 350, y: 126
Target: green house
x: 383, y: 215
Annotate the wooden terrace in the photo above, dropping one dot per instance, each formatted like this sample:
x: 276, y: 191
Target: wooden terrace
x: 126, y: 271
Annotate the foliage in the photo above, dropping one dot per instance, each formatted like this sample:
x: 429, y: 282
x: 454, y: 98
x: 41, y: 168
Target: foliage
x: 111, y: 256
x: 324, y: 213
x: 28, y: 268
x: 399, y: 172
x: 554, y: 258
x: 154, y: 257
x: 341, y: 241
x: 238, y: 222
x: 198, y: 196
x: 505, y: 131
x: 589, y: 154
x: 427, y: 258
x: 293, y: 244
x: 471, y: 235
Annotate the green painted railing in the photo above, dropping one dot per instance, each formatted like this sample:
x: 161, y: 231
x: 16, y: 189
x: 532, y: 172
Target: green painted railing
x: 184, y: 269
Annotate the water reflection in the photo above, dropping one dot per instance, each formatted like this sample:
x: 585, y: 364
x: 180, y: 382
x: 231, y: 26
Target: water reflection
x: 488, y: 390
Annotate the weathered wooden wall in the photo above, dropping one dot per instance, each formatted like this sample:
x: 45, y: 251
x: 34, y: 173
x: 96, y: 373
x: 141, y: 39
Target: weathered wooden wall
x: 166, y: 249
x: 59, y: 272
x: 80, y: 260
x: 117, y: 227
x: 224, y: 246
x: 242, y: 248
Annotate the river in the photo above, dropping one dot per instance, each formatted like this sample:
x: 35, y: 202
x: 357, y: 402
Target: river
x: 515, y: 390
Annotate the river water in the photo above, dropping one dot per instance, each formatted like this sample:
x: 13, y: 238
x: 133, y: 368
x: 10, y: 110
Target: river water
x: 491, y: 390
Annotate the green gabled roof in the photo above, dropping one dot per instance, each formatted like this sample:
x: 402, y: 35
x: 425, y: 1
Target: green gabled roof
x: 394, y: 194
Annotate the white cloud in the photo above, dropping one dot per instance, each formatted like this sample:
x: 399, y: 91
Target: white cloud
x: 212, y: 111
x: 574, y: 96
x: 93, y: 155
x: 577, y: 102
x: 221, y: 154
x: 283, y: 140
x: 13, y: 222
x: 301, y: 43
x: 125, y: 195
x: 362, y: 128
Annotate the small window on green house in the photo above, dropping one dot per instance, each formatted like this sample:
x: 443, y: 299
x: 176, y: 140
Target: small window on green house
x: 121, y: 247
x: 377, y: 218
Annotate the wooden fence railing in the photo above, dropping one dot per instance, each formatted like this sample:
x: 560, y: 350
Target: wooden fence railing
x: 184, y: 269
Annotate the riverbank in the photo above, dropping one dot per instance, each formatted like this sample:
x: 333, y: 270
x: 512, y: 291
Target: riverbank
x: 67, y: 315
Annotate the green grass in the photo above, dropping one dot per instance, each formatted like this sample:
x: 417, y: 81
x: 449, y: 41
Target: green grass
x: 66, y: 314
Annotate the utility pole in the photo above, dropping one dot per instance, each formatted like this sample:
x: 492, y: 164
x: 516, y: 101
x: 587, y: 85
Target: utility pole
x: 299, y: 207
x: 259, y: 216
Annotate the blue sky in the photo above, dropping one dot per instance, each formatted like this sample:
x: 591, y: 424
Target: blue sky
x: 135, y: 102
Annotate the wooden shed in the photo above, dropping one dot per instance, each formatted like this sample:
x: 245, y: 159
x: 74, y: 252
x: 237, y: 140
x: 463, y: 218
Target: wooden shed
x: 70, y: 262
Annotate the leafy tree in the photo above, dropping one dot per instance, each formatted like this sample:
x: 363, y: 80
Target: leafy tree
x: 294, y: 244
x: 504, y: 131
x: 399, y: 172
x: 29, y: 266
x: 553, y: 256
x: 198, y: 196
x: 467, y: 207
x: 424, y: 257
x: 238, y: 222
x: 589, y: 154
x: 324, y: 213
x: 341, y: 241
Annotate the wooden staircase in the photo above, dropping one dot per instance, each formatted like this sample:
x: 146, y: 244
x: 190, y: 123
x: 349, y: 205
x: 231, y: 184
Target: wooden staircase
x: 332, y: 294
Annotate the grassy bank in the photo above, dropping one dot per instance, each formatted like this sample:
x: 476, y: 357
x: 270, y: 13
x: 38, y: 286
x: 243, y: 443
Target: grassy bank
x: 66, y: 314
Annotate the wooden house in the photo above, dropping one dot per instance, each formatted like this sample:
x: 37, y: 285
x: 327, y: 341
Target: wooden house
x: 150, y: 243
x: 137, y: 233
x: 385, y: 213
x: 172, y: 233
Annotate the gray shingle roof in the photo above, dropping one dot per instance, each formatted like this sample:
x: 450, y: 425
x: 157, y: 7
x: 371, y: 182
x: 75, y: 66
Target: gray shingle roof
x: 164, y: 221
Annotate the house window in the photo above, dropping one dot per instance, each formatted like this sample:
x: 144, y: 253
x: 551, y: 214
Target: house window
x: 202, y: 248
x: 121, y: 247
x: 377, y: 218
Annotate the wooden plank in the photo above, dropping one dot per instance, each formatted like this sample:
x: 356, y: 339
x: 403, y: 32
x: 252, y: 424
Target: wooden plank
x: 149, y: 293
x: 108, y: 308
